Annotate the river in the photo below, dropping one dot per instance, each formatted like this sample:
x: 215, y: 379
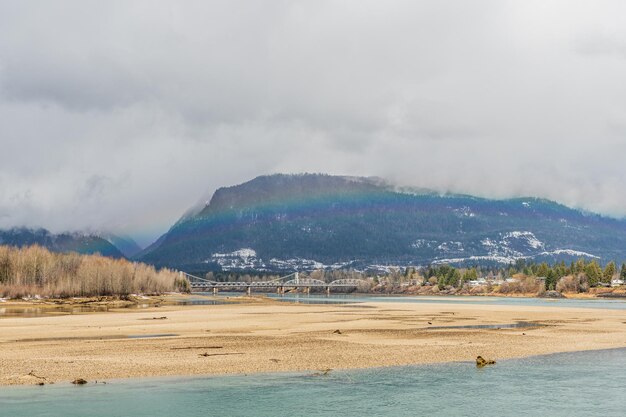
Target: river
x: 566, y: 384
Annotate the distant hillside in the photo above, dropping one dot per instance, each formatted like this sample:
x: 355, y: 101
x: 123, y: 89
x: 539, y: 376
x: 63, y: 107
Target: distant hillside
x: 126, y: 245
x: 65, y: 242
x: 289, y: 222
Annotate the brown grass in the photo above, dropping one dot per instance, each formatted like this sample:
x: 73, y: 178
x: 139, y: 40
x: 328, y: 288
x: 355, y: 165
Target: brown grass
x: 35, y: 270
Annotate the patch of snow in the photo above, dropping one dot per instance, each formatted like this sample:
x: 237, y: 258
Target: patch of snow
x: 339, y: 265
x: 245, y: 253
x: 384, y: 268
x: 530, y: 238
x: 241, y: 253
x: 488, y: 243
x: 451, y: 246
x: 513, y: 245
x: 464, y: 211
x: 494, y: 258
x: 570, y: 252
x: 244, y: 258
x: 247, y: 258
x: 297, y: 264
x: 423, y: 243
x: 507, y: 259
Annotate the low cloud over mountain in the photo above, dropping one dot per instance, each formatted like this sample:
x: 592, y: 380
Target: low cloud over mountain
x: 117, y: 115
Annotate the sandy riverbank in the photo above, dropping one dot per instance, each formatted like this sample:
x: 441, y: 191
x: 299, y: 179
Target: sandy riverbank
x: 271, y: 336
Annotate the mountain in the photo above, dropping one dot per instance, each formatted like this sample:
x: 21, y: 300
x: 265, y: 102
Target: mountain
x: 125, y: 244
x: 309, y: 221
x: 64, y: 242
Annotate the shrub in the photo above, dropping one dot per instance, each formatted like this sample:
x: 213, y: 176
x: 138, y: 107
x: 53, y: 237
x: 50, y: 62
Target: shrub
x: 573, y: 284
x: 522, y: 285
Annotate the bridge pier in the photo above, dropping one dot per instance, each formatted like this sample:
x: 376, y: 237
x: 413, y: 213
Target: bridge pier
x: 215, y: 290
x: 307, y: 290
x: 327, y: 290
x: 249, y: 291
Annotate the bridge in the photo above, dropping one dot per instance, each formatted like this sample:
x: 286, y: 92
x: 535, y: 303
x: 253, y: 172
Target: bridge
x: 280, y: 285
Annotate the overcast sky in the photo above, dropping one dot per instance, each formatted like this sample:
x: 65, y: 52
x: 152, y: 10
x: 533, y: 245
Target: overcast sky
x: 120, y: 115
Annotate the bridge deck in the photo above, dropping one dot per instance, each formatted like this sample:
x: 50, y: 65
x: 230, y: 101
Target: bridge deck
x: 199, y: 283
x: 267, y: 285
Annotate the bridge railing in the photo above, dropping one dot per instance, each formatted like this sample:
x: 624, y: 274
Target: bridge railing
x: 284, y: 281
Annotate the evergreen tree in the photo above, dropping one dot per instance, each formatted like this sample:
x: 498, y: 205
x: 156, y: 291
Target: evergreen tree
x: 609, y: 271
x: 455, y: 279
x: 441, y: 282
x: 470, y: 275
x: 622, y: 273
x: 543, y: 270
x: 593, y: 272
x: 551, y: 279
x: 580, y: 266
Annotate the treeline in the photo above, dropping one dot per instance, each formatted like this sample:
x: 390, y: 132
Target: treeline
x: 574, y: 277
x: 589, y: 271
x: 527, y: 277
x: 35, y: 270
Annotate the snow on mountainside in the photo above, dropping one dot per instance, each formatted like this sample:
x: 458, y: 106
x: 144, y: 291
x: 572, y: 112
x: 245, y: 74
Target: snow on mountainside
x: 509, y: 248
x: 513, y: 246
x: 246, y: 259
x: 281, y: 222
x: 506, y: 248
x: 570, y: 252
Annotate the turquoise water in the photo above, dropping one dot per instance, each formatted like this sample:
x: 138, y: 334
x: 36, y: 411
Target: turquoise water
x: 570, y: 384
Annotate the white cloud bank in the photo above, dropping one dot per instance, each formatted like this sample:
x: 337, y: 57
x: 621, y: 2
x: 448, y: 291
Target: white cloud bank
x: 120, y: 114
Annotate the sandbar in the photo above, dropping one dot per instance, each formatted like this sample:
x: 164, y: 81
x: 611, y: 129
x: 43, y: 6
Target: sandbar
x: 266, y: 336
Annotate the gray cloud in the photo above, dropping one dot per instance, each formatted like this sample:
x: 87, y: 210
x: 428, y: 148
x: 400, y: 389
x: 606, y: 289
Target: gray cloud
x: 119, y: 115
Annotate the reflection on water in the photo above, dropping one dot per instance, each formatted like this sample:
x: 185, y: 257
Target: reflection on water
x: 518, y: 325
x: 223, y: 298
x: 313, y: 300
x: 67, y: 309
x: 612, y: 304
x: 49, y: 310
x: 293, y: 298
x: 562, y: 385
x: 85, y: 338
x: 202, y: 300
x: 150, y: 336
